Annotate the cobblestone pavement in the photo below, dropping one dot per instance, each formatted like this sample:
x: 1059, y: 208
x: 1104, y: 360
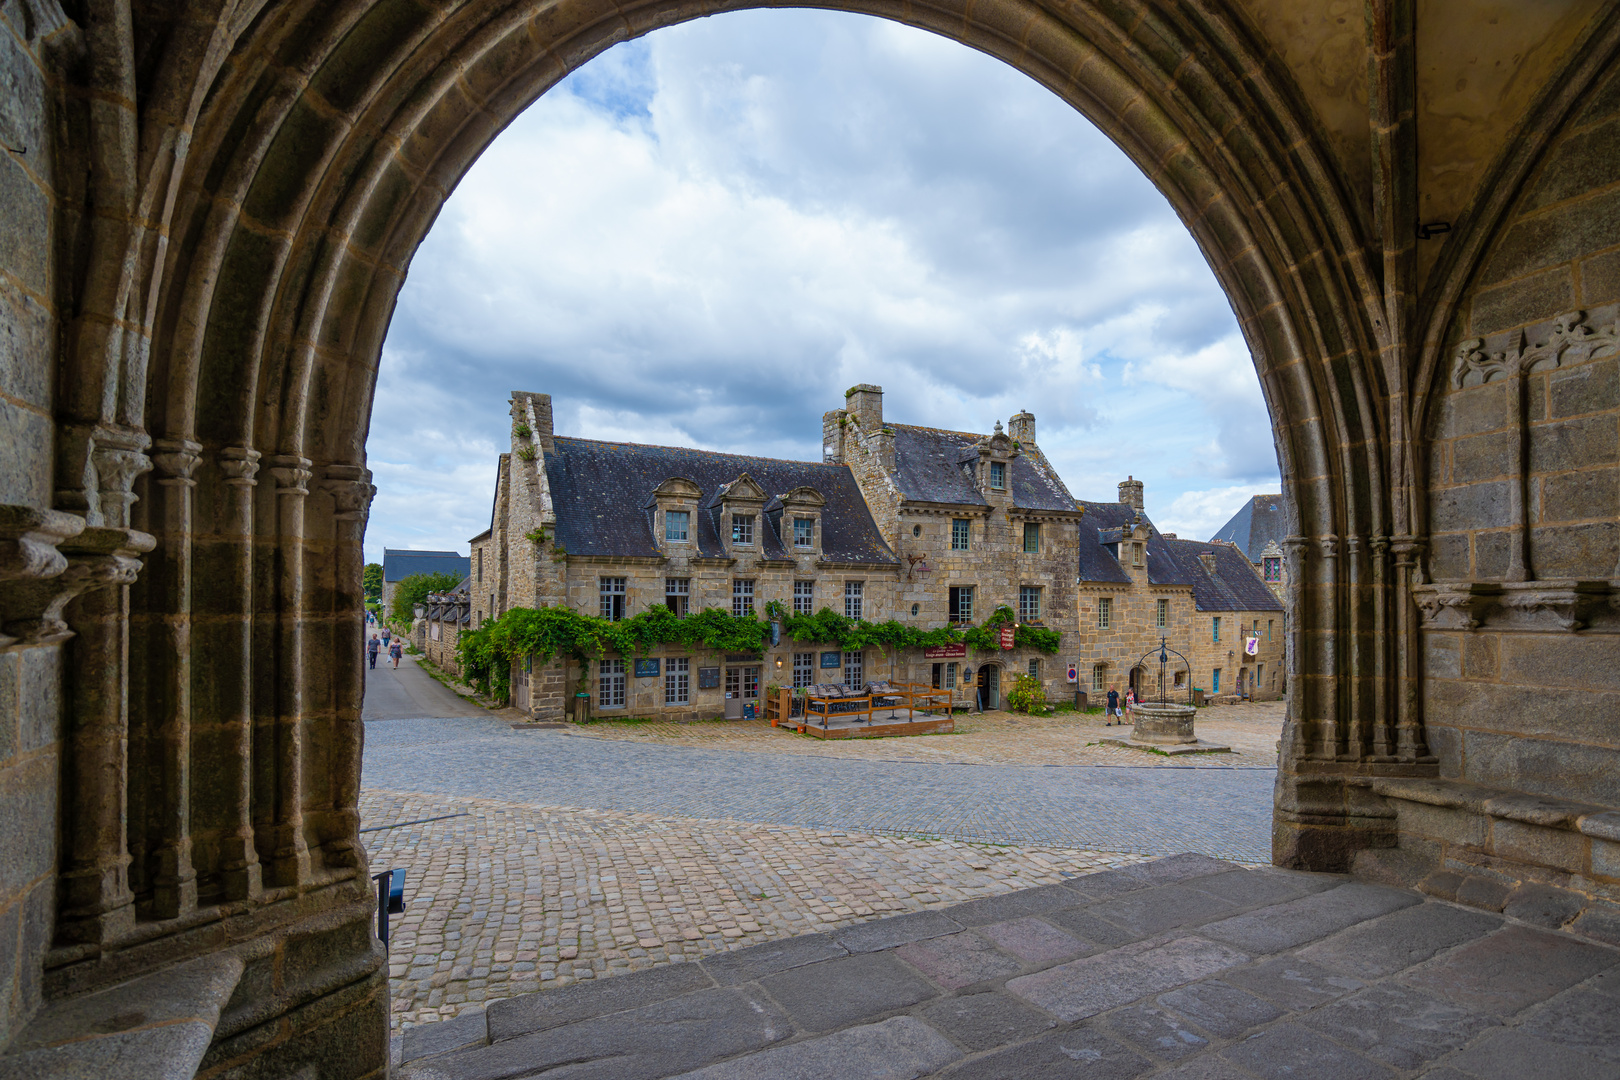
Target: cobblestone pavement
x: 995, y: 738
x: 1149, y: 811
x: 510, y: 898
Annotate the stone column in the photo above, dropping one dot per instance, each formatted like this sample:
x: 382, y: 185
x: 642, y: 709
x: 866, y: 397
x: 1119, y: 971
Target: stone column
x: 288, y: 861
x: 1411, y: 745
x: 1383, y: 733
x: 351, y: 490
x: 231, y: 675
x: 1325, y: 624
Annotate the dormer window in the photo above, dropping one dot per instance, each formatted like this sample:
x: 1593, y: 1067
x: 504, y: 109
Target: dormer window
x: 676, y: 526
x: 804, y: 532
x: 742, y: 528
x: 998, y: 475
x: 1136, y: 554
x: 1273, y: 568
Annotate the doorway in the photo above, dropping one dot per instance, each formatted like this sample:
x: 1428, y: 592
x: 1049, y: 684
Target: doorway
x: 989, y: 687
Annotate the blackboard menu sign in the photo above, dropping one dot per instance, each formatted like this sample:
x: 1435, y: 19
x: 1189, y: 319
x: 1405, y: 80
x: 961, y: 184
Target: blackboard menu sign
x: 708, y: 678
x: 832, y: 659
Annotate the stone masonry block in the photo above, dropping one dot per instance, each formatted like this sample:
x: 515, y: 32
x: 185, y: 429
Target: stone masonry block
x: 1219, y: 1008
x: 1398, y: 1025
x: 1035, y: 941
x: 1291, y: 1050
x: 1454, y: 826
x: 899, y: 930
x: 599, y: 997
x: 1585, y: 388
x: 1154, y: 911
x: 1518, y: 303
x: 983, y: 1021
x: 1471, y: 506
x: 1538, y: 846
x: 958, y: 960
x: 1299, y: 921
x: 902, y: 1046
x: 1155, y: 1029
x: 1482, y: 457
x: 1513, y: 1054
x: 1550, y: 238
x: 425, y: 1040
x: 1600, y: 279
x: 746, y: 965
x: 1081, y: 1052
x: 1543, y: 905
x: 1577, y: 496
x: 833, y: 993
x: 1576, y: 443
x: 1083, y: 988
x: 1543, y: 963
x: 1442, y: 656
x: 1014, y: 904
x: 1400, y: 939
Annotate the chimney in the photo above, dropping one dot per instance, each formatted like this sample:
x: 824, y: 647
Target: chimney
x: 865, y: 401
x: 1208, y: 559
x: 1130, y: 492
x: 534, y: 412
x: 1022, y: 428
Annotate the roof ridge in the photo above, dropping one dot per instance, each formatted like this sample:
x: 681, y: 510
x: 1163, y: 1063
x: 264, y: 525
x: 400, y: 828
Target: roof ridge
x: 939, y: 431
x: 698, y: 450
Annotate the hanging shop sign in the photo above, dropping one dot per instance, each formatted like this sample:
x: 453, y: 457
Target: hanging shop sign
x: 1006, y: 637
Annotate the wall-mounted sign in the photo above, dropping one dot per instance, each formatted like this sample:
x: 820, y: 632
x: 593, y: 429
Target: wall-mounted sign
x: 1006, y: 637
x: 1074, y: 676
x: 744, y: 657
x: 647, y: 669
x: 945, y: 652
x: 832, y: 659
x: 708, y: 678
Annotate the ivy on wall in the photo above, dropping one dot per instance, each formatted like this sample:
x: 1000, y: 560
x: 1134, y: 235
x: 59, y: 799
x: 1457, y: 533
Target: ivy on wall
x: 487, y: 653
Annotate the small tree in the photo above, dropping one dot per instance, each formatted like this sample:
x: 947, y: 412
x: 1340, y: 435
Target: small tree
x: 371, y: 583
x: 1028, y: 694
x: 413, y: 590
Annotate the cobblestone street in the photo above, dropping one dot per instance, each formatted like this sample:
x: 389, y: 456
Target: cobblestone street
x: 575, y: 853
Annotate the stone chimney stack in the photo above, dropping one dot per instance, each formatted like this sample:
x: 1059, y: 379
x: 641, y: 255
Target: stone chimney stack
x: 1208, y: 559
x: 865, y: 402
x: 1022, y: 428
x: 1130, y: 492
x: 534, y: 411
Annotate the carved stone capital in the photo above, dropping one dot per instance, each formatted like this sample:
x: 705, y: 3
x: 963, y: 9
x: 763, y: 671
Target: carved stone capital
x: 351, y: 489
x: 1520, y: 606
x: 97, y: 558
x: 1455, y: 607
x: 176, y: 461
x: 1328, y: 545
x: 292, y: 474
x: 240, y: 466
x: 29, y: 539
x: 119, y: 458
x: 1551, y: 605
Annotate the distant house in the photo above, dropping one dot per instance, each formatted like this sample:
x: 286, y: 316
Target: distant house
x: 401, y: 563
x: 1258, y: 531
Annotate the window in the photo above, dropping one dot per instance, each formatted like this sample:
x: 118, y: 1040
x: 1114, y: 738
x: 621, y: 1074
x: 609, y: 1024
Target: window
x: 960, y: 527
x: 742, y: 596
x: 804, y: 669
x: 1272, y: 565
x: 853, y: 595
x: 961, y: 609
x: 804, y: 532
x: 492, y: 612
x: 480, y: 564
x: 945, y: 676
x: 678, y: 595
x: 1099, y: 678
x: 1181, y: 679
x: 1217, y: 630
x: 1215, y: 686
x: 1257, y: 628
x: 998, y: 475
x: 1136, y: 554
x: 742, y: 528
x: 804, y: 597
x: 1105, y: 612
x: 854, y: 670
x: 1032, y: 537
x: 1269, y: 623
x: 1029, y: 601
x: 610, y: 687
x: 1035, y: 669
x: 677, y: 680
x: 1163, y: 618
x: 611, y: 590
x: 742, y: 682
x: 676, y: 523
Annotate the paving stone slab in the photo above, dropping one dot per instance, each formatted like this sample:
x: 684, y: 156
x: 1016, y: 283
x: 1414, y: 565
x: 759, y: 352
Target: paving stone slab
x: 1284, y: 926
x: 553, y: 1008
x: 958, y: 960
x: 1219, y: 1008
x: 900, y: 1048
x: 756, y: 961
x: 1252, y: 888
x: 1511, y: 1054
x: 1177, y: 868
x: 1397, y: 941
x: 984, y: 1021
x: 1015, y: 904
x: 1511, y: 969
x: 169, y: 1052
x: 1155, y: 1029
x: 1288, y: 1050
x: 834, y: 993
x: 1065, y: 1055
x: 1586, y: 1018
x: 1204, y: 1068
x: 1164, y: 907
x: 425, y: 1040
x: 1035, y: 941
x: 1293, y: 983
x: 1086, y: 987
x: 1092, y: 928
x: 899, y: 930
x: 678, y: 1035
x: 1398, y: 1025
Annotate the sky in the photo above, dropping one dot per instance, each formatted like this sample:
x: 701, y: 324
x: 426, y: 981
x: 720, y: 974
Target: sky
x: 704, y: 236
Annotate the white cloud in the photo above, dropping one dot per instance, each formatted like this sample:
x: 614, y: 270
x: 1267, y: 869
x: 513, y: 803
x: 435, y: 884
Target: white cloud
x: 703, y: 236
x: 1198, y: 515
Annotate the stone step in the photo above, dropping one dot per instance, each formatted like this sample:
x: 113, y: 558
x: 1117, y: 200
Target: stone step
x: 1125, y: 973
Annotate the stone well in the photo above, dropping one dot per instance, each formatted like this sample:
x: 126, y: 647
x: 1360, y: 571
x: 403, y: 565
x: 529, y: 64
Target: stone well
x: 1165, y: 723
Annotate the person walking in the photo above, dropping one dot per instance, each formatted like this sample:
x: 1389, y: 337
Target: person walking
x: 373, y: 647
x: 396, y: 650
x: 1113, y: 706
x: 387, y: 633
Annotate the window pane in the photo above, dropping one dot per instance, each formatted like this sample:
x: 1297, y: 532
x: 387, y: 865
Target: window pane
x: 1105, y: 612
x: 742, y: 528
x: 804, y: 530
x: 959, y: 534
x: 677, y: 595
x: 1032, y: 537
x: 675, y: 525
x: 1034, y: 669
x: 610, y: 692
x: 804, y: 669
x: 1099, y: 673
x: 804, y: 595
x: 853, y: 596
x: 677, y: 681
x: 1029, y: 601
x: 998, y: 475
x: 961, y: 603
x: 611, y: 590
x: 1164, y: 614
x: 742, y: 597
x: 1217, y: 631
x: 854, y: 670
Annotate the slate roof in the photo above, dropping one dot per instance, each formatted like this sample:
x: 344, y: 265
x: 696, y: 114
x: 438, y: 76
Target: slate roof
x: 929, y: 465
x: 1263, y: 519
x: 401, y: 563
x: 602, y: 493
x: 1103, y: 524
x: 1234, y: 587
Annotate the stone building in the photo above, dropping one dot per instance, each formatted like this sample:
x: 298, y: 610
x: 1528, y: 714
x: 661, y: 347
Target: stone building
x: 1259, y: 530
x: 401, y: 563
x: 1138, y: 586
x: 440, y: 619
x: 208, y: 214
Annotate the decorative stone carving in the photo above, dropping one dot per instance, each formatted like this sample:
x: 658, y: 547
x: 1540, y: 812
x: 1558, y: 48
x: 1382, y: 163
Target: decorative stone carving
x: 1462, y: 607
x: 176, y: 461
x: 351, y: 489
x: 1530, y: 606
x: 292, y: 474
x: 240, y: 465
x: 1572, y: 342
x: 97, y: 558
